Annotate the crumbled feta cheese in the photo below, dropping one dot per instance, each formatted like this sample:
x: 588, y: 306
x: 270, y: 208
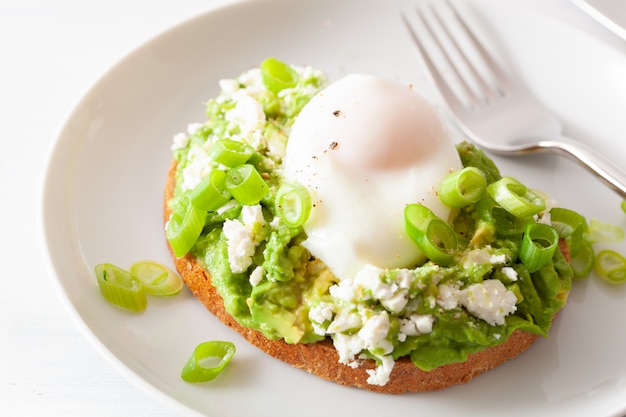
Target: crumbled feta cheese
x: 180, y: 141
x: 252, y: 215
x: 478, y: 256
x: 509, y: 272
x: 374, y: 333
x: 344, y: 290
x: 241, y: 245
x: 252, y: 80
x: 348, y: 346
x: 345, y: 320
x: 248, y: 114
x: 417, y: 324
x: 321, y: 313
x: 229, y: 87
x: 380, y: 375
x: 198, y: 166
x: 490, y: 301
x: 192, y: 128
x: 497, y: 259
x: 404, y: 278
x: 396, y: 302
x: 448, y: 297
x: 256, y: 276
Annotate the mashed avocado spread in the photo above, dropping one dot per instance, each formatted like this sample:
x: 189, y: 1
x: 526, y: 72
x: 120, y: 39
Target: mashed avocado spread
x: 432, y: 313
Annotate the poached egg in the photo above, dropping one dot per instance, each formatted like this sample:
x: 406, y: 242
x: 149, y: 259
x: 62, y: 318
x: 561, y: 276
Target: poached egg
x: 365, y: 147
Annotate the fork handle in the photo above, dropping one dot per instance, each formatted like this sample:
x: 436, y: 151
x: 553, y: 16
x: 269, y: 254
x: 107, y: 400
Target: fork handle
x: 604, y: 169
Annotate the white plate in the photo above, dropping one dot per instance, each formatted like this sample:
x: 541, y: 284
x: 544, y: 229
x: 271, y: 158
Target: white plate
x: 103, y: 191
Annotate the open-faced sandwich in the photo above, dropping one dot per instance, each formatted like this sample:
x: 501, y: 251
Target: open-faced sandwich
x: 339, y: 228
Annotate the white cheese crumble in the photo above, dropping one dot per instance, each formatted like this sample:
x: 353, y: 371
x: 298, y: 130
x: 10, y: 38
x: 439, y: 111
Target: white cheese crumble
x: 380, y: 375
x: 490, y: 301
x: 448, y: 297
x: 509, y: 272
x: 180, y: 141
x: 247, y: 114
x: 242, y: 238
x: 256, y: 276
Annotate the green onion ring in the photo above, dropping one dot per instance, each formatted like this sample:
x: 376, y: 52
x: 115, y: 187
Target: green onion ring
x: 120, y: 287
x: 293, y: 204
x: 602, y: 232
x: 197, y: 370
x: 246, y: 184
x: 539, y: 243
x: 230, y: 152
x: 157, y: 279
x: 183, y: 232
x: 582, y: 262
x: 505, y: 223
x: 462, y: 188
x: 570, y: 225
x: 611, y: 266
x: 515, y: 197
x: 434, y: 237
x: 278, y: 75
x: 210, y: 194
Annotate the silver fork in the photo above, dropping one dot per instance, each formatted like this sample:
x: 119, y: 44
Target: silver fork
x: 492, y: 109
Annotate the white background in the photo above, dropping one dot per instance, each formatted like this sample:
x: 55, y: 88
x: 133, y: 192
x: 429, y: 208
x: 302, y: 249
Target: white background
x: 51, y: 51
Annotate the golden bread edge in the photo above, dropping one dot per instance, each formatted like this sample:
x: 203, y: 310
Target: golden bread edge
x: 321, y: 359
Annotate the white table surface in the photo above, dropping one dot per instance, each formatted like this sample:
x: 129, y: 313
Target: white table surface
x: 51, y: 51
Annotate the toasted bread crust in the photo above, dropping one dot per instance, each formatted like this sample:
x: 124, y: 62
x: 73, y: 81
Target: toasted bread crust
x: 321, y: 358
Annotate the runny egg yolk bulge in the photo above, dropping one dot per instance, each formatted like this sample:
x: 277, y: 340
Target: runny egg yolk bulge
x: 365, y: 147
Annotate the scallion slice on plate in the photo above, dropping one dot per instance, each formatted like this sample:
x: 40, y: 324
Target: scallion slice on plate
x: 611, y: 266
x: 208, y: 360
x: 603, y: 232
x: 120, y: 287
x: 156, y: 278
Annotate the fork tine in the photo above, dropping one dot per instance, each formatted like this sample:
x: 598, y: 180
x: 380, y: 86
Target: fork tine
x: 498, y: 75
x: 477, y: 88
x: 450, y: 97
x: 474, y: 88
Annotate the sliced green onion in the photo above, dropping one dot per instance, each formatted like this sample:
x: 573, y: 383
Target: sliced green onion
x: 183, y: 232
x: 246, y: 184
x: 462, y: 188
x: 582, y: 262
x: 505, y: 223
x: 207, y: 361
x: 120, y: 287
x: 602, y: 232
x: 611, y: 266
x: 570, y: 225
x: 211, y: 194
x: 293, y: 204
x: 623, y: 205
x: 230, y: 152
x: 157, y: 279
x: 435, y: 238
x: 515, y: 197
x: 278, y: 75
x: 539, y: 243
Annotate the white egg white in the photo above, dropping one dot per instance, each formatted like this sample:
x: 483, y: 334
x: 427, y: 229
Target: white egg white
x: 365, y: 147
